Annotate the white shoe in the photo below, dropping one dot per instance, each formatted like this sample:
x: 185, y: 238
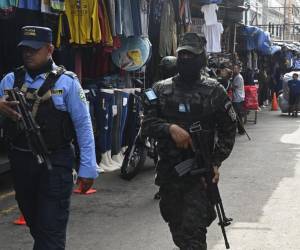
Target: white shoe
x: 123, y: 150
x: 118, y: 158
x: 105, y: 164
x: 99, y: 169
x: 111, y: 161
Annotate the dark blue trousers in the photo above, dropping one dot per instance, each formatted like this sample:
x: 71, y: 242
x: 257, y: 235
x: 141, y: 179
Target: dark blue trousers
x: 44, y: 196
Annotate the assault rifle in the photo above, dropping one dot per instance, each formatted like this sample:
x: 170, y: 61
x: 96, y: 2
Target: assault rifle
x: 201, y: 148
x: 201, y: 165
x: 32, y: 131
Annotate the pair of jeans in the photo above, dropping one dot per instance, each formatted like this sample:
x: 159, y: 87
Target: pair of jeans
x: 132, y: 123
x: 44, y: 196
x: 104, y: 121
x: 111, y: 9
x: 121, y: 101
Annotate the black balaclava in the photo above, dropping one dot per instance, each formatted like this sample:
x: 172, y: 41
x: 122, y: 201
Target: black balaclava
x: 44, y: 69
x: 189, y: 68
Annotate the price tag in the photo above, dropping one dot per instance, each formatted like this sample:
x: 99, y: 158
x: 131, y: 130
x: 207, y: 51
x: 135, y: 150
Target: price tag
x: 125, y: 101
x: 115, y: 110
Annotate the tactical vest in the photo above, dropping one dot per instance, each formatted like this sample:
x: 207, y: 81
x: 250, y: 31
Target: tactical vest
x: 56, y: 126
x: 184, y: 106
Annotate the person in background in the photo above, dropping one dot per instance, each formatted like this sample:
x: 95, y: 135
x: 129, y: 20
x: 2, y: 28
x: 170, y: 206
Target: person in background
x: 238, y: 96
x: 294, y: 96
x: 297, y: 62
x: 59, y: 107
x: 263, y: 87
x: 224, y: 76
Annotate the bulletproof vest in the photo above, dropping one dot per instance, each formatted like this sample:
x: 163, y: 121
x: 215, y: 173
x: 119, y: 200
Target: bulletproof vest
x: 184, y: 105
x: 56, y: 126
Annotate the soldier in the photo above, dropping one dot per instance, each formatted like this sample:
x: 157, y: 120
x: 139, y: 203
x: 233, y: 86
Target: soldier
x: 170, y: 108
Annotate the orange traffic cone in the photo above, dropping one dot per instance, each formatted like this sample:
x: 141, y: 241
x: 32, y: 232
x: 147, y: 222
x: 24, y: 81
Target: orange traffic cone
x: 20, y: 221
x: 79, y: 190
x: 274, y: 103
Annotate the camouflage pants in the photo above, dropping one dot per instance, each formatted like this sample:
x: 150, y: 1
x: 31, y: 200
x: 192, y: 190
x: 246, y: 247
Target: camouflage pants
x: 185, y: 207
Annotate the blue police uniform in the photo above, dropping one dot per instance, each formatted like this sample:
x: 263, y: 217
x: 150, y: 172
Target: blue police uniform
x: 68, y: 96
x: 42, y: 195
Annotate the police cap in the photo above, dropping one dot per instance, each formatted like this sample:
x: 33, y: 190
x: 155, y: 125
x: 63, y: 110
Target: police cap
x: 192, y: 42
x: 35, y: 37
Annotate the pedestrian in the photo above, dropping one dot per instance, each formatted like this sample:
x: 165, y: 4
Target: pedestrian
x: 224, y: 76
x: 43, y: 195
x: 238, y: 96
x: 297, y: 62
x: 263, y: 87
x: 173, y: 105
x: 294, y: 95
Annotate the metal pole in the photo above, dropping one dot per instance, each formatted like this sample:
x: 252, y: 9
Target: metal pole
x: 234, y: 39
x: 284, y: 19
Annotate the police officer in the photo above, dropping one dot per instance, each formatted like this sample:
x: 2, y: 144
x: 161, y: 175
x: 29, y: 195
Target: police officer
x: 44, y: 195
x: 170, y: 108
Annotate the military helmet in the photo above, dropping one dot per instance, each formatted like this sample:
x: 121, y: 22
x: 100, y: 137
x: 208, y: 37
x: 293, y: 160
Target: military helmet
x: 168, y: 67
x: 168, y: 62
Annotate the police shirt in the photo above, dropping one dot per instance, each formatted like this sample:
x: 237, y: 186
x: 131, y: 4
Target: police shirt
x: 67, y: 95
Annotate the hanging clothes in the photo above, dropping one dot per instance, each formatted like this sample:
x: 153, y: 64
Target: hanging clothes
x: 145, y: 12
x: 106, y: 35
x: 210, y: 14
x: 136, y: 17
x: 127, y: 22
x: 52, y: 21
x: 63, y: 31
x: 57, y: 5
x: 213, y: 37
x: 46, y: 7
x: 83, y: 20
x: 5, y: 4
x: 30, y: 4
x: 156, y: 7
x: 118, y: 20
x: 95, y: 62
x: 167, y: 29
x: 187, y: 12
x: 111, y: 11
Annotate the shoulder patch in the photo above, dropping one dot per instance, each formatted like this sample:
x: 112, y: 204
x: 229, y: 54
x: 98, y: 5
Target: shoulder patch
x: 82, y: 95
x: 57, y: 91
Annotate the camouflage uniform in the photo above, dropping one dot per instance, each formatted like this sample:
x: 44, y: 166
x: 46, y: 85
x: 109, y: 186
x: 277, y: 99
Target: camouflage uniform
x: 184, y: 203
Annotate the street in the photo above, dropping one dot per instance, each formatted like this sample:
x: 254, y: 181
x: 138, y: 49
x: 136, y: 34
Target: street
x: 259, y: 187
